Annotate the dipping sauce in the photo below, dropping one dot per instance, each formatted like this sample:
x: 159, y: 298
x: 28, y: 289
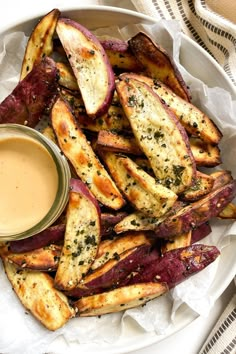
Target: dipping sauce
x: 28, y: 183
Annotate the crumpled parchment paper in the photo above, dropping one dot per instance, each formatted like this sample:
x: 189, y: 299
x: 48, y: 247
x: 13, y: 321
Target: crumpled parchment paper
x: 19, y: 331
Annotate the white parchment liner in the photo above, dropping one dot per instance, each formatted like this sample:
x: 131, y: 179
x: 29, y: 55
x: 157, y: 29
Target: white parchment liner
x: 19, y: 331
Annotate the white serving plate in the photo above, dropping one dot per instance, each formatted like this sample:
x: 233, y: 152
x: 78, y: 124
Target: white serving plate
x: 201, y: 65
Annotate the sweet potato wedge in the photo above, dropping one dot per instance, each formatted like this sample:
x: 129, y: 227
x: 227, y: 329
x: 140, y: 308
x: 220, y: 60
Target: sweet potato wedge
x: 90, y: 65
x: 37, y: 293
x: 143, y: 163
x: 82, y: 237
x: 195, y: 121
x: 53, y: 234
x: 197, y: 212
x: 67, y: 78
x: 187, y: 238
x: 138, y: 187
x: 158, y: 63
x: 49, y: 133
x: 120, y: 55
x: 111, y: 273
x: 113, y: 248
x: 32, y: 96
x: 183, y: 240
x: 40, y: 43
x: 229, y: 212
x: 119, y: 299
x: 221, y: 178
x: 177, y: 265
x: 138, y: 221
x: 108, y: 221
x: 41, y: 259
x: 108, y: 140
x: 205, y: 154
x: 79, y: 152
x: 114, y: 119
x: 159, y: 134
x: 202, y: 185
x: 200, y: 232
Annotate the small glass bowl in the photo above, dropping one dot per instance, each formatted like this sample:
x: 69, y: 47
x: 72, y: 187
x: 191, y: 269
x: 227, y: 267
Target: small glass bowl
x: 64, y: 175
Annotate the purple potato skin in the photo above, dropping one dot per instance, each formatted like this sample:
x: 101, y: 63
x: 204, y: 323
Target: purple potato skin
x: 115, y: 44
x: 115, y: 275
x: 197, y: 213
x: 109, y: 220
x: 103, y: 107
x: 33, y: 96
x: 53, y: 234
x: 200, y: 232
x: 177, y: 265
x: 77, y: 186
x: 143, y: 46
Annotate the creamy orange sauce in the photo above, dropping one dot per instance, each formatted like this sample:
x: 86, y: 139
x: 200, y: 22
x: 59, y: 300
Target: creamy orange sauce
x: 28, y: 183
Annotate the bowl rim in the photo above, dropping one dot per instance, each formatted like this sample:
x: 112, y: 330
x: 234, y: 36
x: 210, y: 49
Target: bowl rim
x: 35, y: 14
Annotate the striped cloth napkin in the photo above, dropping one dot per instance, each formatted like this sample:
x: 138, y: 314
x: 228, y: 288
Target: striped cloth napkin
x: 211, y: 23
x: 222, y: 338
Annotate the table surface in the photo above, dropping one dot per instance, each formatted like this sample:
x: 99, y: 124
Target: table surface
x: 190, y: 339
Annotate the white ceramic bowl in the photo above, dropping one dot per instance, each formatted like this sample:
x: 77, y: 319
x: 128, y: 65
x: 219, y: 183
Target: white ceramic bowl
x: 200, y: 65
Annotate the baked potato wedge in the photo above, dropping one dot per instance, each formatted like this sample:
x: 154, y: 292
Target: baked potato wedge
x: 202, y: 185
x: 143, y: 163
x: 40, y: 43
x: 183, y: 240
x: 32, y: 96
x: 108, y: 221
x: 90, y: 65
x: 159, y: 134
x: 158, y: 64
x: 41, y: 259
x: 113, y: 120
x: 141, y: 189
x: 67, y: 78
x: 113, y: 248
x: 120, y: 55
x: 200, y: 232
x: 197, y: 212
x: 221, y: 178
x: 138, y: 221
x: 229, y: 212
x: 82, y: 237
x: 108, y: 140
x: 79, y: 152
x: 52, y: 234
x: 55, y: 234
x: 119, y: 299
x: 195, y: 121
x: 49, y: 133
x: 36, y: 292
x: 111, y: 273
x: 205, y: 154
x: 176, y: 265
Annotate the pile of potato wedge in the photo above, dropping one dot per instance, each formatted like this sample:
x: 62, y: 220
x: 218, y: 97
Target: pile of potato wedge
x: 139, y: 201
